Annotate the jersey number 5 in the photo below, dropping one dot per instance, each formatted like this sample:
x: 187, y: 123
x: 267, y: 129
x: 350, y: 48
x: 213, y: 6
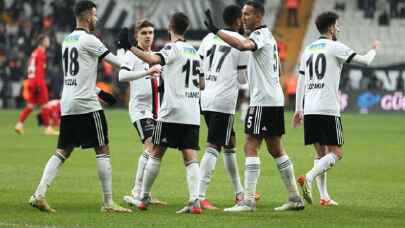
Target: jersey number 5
x: 70, y: 61
x: 193, y: 67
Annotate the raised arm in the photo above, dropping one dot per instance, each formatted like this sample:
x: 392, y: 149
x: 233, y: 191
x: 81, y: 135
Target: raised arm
x: 367, y: 58
x: 241, y: 44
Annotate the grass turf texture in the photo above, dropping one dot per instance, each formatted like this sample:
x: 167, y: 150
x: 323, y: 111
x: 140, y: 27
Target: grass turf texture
x: 368, y: 183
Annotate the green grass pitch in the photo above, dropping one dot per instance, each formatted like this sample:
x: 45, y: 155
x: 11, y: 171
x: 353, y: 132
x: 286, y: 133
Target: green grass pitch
x: 369, y: 183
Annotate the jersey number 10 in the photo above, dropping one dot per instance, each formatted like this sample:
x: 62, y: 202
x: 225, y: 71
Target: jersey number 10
x: 320, y: 66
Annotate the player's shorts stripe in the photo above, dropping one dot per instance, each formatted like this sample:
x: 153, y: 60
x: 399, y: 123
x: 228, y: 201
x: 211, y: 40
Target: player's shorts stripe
x: 338, y: 131
x: 99, y: 128
x: 157, y: 132
x: 96, y: 124
x: 258, y: 119
x: 140, y: 129
x: 229, y: 129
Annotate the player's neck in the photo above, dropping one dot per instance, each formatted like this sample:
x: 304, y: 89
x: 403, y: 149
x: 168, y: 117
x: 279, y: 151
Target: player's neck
x: 82, y: 25
x: 176, y: 37
x: 326, y: 36
x: 145, y: 48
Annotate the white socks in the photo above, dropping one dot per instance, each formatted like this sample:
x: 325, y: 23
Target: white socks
x: 286, y: 169
x: 151, y: 171
x: 193, y: 180
x: 50, y: 171
x: 231, y: 166
x: 252, y: 173
x: 321, y: 183
x: 207, y: 163
x: 325, y: 163
x: 105, y: 175
x: 143, y: 159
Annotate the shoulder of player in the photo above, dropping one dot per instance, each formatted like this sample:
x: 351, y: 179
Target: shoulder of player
x: 260, y: 31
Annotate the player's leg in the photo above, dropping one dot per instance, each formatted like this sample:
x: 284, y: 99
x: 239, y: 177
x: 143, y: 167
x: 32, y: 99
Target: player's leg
x: 231, y: 166
x: 151, y: 172
x: 19, y: 127
x: 51, y: 169
x: 46, y: 114
x: 252, y: 173
x: 104, y: 170
x: 144, y: 128
x: 207, y: 167
x: 321, y: 180
x: 327, y: 131
x: 286, y: 169
x: 193, y: 179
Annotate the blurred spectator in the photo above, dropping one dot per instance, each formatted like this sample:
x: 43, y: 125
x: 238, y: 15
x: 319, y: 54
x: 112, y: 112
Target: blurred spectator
x: 282, y: 52
x: 290, y: 85
x: 292, y: 10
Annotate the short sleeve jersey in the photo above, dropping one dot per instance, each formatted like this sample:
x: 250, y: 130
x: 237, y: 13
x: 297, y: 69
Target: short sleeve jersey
x: 220, y: 65
x: 264, y: 70
x: 321, y: 65
x: 181, y: 70
x: 37, y: 65
x: 141, y: 92
x: 81, y: 52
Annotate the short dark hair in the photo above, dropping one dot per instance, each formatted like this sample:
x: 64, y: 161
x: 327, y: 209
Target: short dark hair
x: 40, y: 38
x: 325, y: 20
x: 231, y: 13
x: 256, y: 5
x: 83, y: 6
x: 142, y: 24
x: 180, y: 23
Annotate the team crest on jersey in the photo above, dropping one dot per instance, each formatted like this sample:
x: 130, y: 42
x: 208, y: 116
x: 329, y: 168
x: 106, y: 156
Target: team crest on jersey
x: 257, y: 32
x: 168, y: 47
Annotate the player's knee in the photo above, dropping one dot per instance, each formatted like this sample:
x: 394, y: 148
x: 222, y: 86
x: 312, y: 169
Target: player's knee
x: 276, y: 152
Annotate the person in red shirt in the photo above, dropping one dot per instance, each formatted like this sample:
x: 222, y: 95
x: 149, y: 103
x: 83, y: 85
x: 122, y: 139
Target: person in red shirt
x: 36, y: 91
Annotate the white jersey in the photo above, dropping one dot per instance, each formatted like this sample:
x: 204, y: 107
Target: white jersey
x: 81, y: 52
x: 180, y: 74
x: 264, y: 70
x: 321, y: 65
x: 220, y: 65
x: 141, y: 93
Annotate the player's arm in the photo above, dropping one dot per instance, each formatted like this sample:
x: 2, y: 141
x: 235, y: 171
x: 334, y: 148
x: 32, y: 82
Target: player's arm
x: 367, y: 58
x: 106, y: 97
x: 126, y: 74
x: 239, y: 43
x: 299, y: 96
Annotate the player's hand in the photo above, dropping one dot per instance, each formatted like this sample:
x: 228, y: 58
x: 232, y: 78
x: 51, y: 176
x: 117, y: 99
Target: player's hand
x: 107, y: 97
x: 376, y: 44
x: 155, y: 71
x: 123, y: 39
x: 209, y: 23
x: 297, y: 119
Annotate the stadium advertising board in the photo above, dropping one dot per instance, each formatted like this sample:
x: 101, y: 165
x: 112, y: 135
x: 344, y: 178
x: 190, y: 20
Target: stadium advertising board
x: 377, y: 89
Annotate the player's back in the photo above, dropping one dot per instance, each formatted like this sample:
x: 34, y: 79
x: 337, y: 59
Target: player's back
x: 322, y: 63
x: 181, y: 84
x: 220, y: 65
x: 37, y: 64
x: 264, y: 70
x: 80, y: 56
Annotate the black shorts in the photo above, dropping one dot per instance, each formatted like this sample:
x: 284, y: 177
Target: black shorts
x: 87, y: 130
x: 175, y: 135
x: 323, y: 129
x: 265, y: 121
x: 220, y: 127
x: 145, y: 128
